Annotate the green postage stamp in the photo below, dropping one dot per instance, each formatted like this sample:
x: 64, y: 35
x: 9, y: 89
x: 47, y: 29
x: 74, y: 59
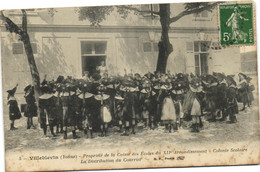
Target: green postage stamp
x: 236, y: 24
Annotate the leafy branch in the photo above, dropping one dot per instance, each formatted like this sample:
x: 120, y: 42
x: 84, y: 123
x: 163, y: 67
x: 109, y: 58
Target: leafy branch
x: 136, y: 10
x: 193, y: 8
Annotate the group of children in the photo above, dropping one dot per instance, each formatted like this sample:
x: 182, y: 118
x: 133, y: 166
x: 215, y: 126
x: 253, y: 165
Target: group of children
x: 153, y: 99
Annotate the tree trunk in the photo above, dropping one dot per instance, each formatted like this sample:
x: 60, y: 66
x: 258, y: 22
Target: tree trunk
x: 33, y: 68
x: 165, y: 47
x: 22, y: 32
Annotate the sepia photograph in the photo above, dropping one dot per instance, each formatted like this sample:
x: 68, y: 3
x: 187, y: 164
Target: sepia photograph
x: 130, y: 86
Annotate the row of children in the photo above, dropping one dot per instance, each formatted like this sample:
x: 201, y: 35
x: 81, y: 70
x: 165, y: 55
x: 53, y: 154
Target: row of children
x: 155, y: 99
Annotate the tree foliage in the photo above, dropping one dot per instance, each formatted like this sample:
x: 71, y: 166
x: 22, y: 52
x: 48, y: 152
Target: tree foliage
x: 94, y: 14
x: 52, y: 11
x: 196, y: 5
x: 194, y: 8
x: 98, y: 14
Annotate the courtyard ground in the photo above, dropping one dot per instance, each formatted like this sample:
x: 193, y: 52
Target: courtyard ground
x: 247, y: 128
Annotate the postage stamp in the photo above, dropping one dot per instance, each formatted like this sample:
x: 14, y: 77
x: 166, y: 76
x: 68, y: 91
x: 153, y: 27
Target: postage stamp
x: 236, y: 24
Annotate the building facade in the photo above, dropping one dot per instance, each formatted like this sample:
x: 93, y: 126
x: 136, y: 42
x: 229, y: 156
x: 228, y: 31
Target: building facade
x: 64, y: 45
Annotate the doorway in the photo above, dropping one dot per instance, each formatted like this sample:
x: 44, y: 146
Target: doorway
x: 92, y: 53
x: 90, y: 63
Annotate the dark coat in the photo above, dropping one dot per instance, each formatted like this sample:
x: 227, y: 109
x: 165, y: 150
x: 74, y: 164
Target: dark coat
x: 212, y: 98
x: 148, y: 100
x: 58, y: 107
x: 75, y: 107
x: 14, y: 111
x: 47, y: 109
x: 250, y: 90
x: 232, y: 101
x: 243, y: 92
x: 222, y: 97
x: 71, y: 105
x: 129, y: 110
x: 30, y: 108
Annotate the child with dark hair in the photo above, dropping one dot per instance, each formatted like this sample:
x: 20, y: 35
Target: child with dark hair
x: 119, y: 114
x: 14, y: 111
x: 243, y: 90
x: 232, y: 108
x: 31, y: 108
x: 105, y: 114
x: 168, y: 111
x: 192, y: 104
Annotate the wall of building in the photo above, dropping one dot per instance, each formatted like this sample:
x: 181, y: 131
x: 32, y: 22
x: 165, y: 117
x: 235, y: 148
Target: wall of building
x: 58, y: 41
x: 59, y: 53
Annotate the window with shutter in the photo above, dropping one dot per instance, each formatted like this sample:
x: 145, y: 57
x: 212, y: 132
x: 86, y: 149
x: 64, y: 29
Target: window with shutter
x: 147, y: 47
x: 17, y: 48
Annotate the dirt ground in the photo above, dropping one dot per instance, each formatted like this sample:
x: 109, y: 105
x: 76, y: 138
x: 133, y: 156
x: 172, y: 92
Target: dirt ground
x: 33, y: 139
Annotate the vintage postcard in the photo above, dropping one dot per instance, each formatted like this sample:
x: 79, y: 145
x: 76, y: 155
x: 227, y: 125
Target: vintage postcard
x: 130, y: 86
